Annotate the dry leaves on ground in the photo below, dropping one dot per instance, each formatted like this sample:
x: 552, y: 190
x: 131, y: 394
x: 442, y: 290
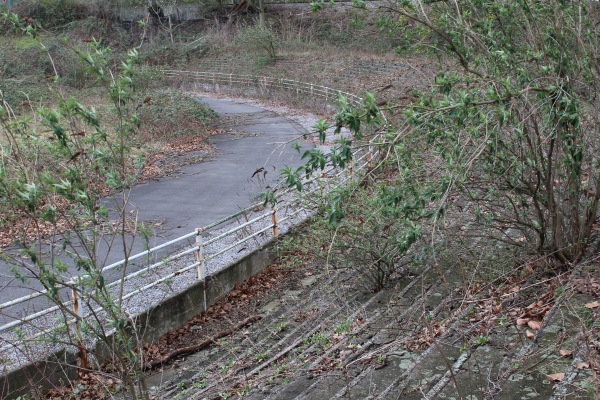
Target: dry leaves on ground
x: 556, y: 377
x: 236, y: 305
x: 163, y: 162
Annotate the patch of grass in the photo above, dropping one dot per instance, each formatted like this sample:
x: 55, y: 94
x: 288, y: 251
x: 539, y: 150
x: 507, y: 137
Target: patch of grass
x: 342, y: 326
x: 260, y: 356
x: 227, y: 365
x: 168, y: 114
x: 317, y: 338
x: 481, y: 340
x: 18, y: 42
x: 199, y: 384
x: 282, y: 326
x: 280, y: 370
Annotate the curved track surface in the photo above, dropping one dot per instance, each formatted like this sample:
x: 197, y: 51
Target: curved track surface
x: 201, y: 193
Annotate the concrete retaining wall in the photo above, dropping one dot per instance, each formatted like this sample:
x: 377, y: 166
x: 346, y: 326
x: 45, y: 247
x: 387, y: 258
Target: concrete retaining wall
x: 173, y: 312
x: 170, y: 314
x: 36, y: 378
x: 179, y: 12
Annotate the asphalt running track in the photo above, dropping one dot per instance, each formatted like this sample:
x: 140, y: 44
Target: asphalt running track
x: 198, y: 194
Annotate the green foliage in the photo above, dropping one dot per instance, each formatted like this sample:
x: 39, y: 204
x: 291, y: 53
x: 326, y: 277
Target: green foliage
x: 52, y: 13
x: 320, y: 5
x: 54, y: 171
x: 510, y: 136
x: 370, y: 236
x: 342, y: 326
x: 508, y: 130
x: 258, y: 40
x: 481, y: 340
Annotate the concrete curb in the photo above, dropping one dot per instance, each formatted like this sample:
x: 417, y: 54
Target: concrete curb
x: 159, y: 319
x: 174, y: 311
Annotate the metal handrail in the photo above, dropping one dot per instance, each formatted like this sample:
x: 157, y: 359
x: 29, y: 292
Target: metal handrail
x: 147, y: 252
x: 200, y: 246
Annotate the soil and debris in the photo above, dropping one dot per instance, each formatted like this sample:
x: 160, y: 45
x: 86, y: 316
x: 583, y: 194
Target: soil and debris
x: 318, y: 334
x: 299, y: 330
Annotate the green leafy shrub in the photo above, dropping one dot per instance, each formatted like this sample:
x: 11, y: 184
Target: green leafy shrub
x: 368, y: 236
x: 503, y: 148
x: 55, y: 170
x: 52, y: 13
x: 258, y: 40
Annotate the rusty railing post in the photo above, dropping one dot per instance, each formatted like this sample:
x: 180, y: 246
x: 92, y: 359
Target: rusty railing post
x: 84, y: 362
x: 274, y: 221
x: 200, y: 256
x: 201, y: 259
x: 274, y: 230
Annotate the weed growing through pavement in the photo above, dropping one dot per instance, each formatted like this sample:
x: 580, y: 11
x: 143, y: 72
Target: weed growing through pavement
x: 342, y: 326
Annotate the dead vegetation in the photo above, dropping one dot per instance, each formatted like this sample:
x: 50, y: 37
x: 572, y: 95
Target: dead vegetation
x: 302, y: 329
x: 320, y: 336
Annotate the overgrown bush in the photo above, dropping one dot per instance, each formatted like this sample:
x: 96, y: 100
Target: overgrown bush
x: 368, y: 237
x: 55, y: 170
x: 504, y: 148
x: 53, y: 13
x: 172, y: 54
x: 259, y: 41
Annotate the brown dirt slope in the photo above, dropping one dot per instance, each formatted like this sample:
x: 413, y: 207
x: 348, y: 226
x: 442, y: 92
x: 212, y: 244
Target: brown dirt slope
x: 322, y: 336
x: 530, y: 334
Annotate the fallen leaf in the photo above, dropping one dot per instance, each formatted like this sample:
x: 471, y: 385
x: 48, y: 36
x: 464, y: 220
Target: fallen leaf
x: 529, y: 334
x: 593, y: 304
x: 535, y: 325
x: 522, y: 321
x: 565, y: 353
x: 582, y: 365
x: 556, y: 377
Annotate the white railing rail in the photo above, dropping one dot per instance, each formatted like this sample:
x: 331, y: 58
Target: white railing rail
x: 262, y: 82
x: 252, y: 227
